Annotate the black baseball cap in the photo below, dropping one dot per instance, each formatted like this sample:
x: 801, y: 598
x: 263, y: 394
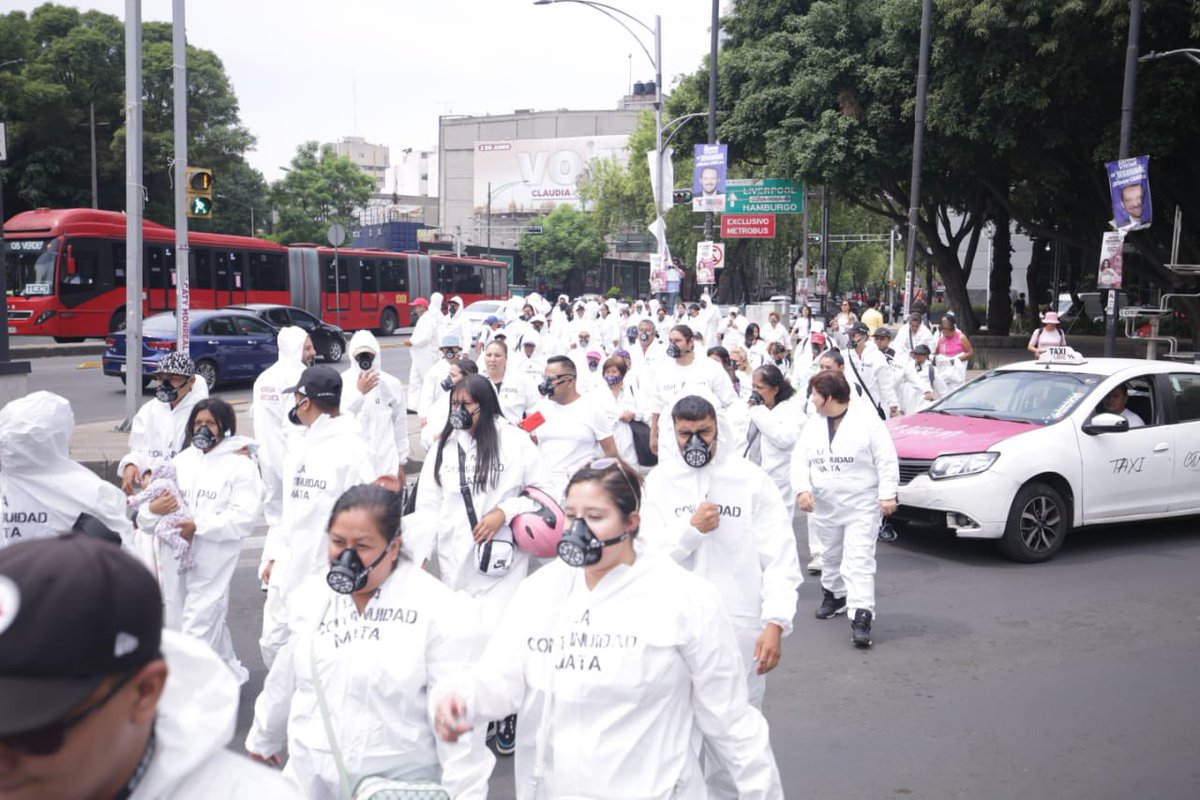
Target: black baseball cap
x: 74, y: 610
x: 319, y: 381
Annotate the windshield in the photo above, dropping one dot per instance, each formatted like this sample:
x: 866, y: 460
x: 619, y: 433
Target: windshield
x: 1039, y: 397
x: 29, y: 266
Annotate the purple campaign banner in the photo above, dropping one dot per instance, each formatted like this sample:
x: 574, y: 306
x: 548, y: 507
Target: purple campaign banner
x: 708, y: 177
x: 1129, y: 187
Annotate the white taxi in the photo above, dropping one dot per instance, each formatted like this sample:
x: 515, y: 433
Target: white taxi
x: 1028, y: 451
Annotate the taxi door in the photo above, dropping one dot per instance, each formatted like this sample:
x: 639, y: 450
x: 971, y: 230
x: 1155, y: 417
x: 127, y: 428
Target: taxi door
x: 1184, y: 388
x: 1127, y: 473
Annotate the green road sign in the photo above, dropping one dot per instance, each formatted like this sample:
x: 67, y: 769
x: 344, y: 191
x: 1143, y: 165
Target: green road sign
x: 763, y: 196
x: 200, y: 206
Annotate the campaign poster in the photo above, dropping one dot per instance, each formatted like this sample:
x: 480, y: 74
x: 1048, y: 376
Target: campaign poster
x: 1129, y: 187
x: 525, y: 176
x: 706, y: 268
x: 822, y: 282
x: 802, y: 289
x: 1111, y: 268
x: 658, y: 275
x: 708, y: 177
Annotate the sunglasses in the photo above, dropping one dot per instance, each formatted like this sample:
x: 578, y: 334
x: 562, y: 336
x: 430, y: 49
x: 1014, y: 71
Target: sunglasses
x: 604, y: 464
x: 48, y: 739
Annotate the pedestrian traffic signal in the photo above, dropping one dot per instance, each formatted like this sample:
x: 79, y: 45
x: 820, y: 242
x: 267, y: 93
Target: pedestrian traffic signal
x: 198, y: 183
x: 681, y: 196
x: 199, y: 206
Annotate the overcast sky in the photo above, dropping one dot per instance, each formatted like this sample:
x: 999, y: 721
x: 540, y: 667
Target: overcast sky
x: 386, y: 69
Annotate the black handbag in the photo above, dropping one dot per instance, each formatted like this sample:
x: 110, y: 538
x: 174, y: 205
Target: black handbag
x: 641, y: 443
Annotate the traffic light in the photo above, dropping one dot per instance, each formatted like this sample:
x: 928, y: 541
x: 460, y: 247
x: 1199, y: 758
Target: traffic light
x: 199, y: 189
x: 681, y: 197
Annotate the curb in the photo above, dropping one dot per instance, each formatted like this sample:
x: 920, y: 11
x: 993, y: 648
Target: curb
x: 50, y: 351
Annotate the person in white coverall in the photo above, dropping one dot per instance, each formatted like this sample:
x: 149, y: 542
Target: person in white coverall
x: 435, y: 388
x: 617, y: 662
x: 153, y: 715
x: 370, y: 656
x: 776, y: 419
x: 867, y: 367
x: 376, y: 399
x: 219, y: 484
x: 42, y: 491
x: 426, y: 334
x: 683, y: 372
x: 324, y: 459
x: 160, y: 426
x: 845, y: 473
x: 918, y: 387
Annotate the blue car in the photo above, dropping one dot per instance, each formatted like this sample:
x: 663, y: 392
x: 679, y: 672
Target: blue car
x: 227, y: 345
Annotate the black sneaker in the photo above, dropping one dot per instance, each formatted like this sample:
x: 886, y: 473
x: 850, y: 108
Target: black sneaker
x: 860, y: 628
x: 506, y: 735
x: 831, y: 606
x: 491, y: 733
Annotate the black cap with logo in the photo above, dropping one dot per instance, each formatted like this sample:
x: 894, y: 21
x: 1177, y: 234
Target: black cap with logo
x: 74, y: 610
x: 319, y: 382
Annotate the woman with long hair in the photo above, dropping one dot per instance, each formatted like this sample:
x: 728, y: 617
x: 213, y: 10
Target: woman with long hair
x: 756, y: 346
x: 776, y: 418
x: 436, y: 421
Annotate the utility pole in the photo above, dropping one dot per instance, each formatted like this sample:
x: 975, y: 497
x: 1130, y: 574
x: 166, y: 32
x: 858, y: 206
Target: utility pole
x: 183, y: 298
x: 914, y: 196
x: 133, y: 210
x: 1128, y: 96
x: 712, y: 100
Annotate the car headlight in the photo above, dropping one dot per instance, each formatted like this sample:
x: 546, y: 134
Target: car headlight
x: 960, y: 464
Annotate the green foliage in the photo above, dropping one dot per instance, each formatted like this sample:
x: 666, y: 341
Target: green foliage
x: 613, y: 293
x: 319, y: 188
x: 570, y: 238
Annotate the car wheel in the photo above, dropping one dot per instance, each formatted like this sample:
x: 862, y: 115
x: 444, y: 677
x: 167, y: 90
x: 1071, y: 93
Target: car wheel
x: 335, y: 349
x: 206, y: 369
x: 387, y: 323
x: 1038, y: 522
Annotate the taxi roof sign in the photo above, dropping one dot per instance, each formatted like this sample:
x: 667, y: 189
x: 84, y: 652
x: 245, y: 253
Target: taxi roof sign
x: 1060, y: 355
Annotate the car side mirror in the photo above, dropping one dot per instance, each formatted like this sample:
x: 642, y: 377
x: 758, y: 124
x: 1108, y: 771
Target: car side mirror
x: 1105, y: 423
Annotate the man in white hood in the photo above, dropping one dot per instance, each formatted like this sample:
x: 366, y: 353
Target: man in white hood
x: 159, y: 428
x: 424, y: 340
x: 98, y: 700
x: 376, y: 399
x: 42, y: 490
x: 455, y: 322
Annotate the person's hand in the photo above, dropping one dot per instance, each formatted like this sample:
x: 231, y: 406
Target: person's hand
x: 928, y: 395
x: 129, y: 479
x: 768, y: 648
x: 894, y: 412
x: 275, y: 760
x: 806, y: 502
x: 486, y: 528
x: 449, y: 720
x: 407, y: 343
x: 267, y: 570
x: 164, y: 504
x: 368, y: 381
x: 187, y: 529
x: 628, y: 416
x: 389, y: 482
x: 888, y: 507
x: 707, y: 516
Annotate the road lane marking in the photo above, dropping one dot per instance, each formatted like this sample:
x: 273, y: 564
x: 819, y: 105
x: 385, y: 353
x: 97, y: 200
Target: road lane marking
x: 89, y: 365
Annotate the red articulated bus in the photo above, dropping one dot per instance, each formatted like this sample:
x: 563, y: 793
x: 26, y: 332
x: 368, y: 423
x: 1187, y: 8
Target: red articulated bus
x: 65, y: 271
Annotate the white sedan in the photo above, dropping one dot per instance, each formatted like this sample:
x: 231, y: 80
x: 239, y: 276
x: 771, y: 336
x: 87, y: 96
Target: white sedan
x: 1028, y: 451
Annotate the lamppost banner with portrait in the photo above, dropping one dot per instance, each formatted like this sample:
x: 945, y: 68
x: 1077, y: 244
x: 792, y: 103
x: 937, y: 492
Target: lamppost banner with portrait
x: 1129, y: 188
x: 708, y: 177
x: 1111, y: 269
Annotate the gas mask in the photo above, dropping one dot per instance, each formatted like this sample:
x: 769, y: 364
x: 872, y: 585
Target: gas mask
x: 675, y: 351
x: 644, y: 336
x: 756, y: 399
x: 451, y: 311
x: 612, y: 380
x: 366, y: 361
x: 460, y: 418
x: 347, y: 574
x: 546, y: 387
x: 450, y: 355
x: 166, y: 393
x: 294, y: 415
x: 631, y: 334
x: 204, y: 439
x: 887, y: 532
x: 579, y: 547
x: 593, y: 365
x: 447, y: 383
x: 697, y: 452
x: 583, y: 341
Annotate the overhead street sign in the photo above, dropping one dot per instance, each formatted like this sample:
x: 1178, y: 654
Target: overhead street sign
x: 748, y: 226
x: 763, y: 196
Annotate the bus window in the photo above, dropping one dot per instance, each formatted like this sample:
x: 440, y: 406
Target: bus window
x: 445, y: 278
x: 230, y: 267
x: 467, y: 279
x: 367, y: 276
x: 89, y: 276
x: 393, y: 275
x: 267, y: 272
x: 159, y: 266
x: 340, y: 283
x: 202, y: 268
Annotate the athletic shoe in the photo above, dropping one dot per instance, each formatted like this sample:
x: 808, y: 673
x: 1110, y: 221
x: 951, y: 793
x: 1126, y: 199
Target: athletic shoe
x: 831, y: 606
x: 506, y: 735
x: 814, y: 567
x: 491, y: 732
x: 860, y: 629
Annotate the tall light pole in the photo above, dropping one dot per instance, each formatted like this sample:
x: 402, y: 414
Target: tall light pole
x: 914, y: 194
x: 1128, y: 96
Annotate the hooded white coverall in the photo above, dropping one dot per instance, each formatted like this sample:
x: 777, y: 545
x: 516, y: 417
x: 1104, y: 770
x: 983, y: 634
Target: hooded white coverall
x: 872, y: 372
x: 612, y: 684
x: 778, y: 431
x: 516, y: 392
x: 222, y: 489
x: 268, y: 412
x: 458, y: 325
x: 382, y: 413
x: 376, y: 670
x: 159, y: 431
x: 440, y: 518
x: 426, y: 336
x: 42, y: 491
x: 196, y: 719
x: 906, y: 341
x: 915, y: 380
x: 671, y: 380
x: 848, y: 475
x: 322, y: 462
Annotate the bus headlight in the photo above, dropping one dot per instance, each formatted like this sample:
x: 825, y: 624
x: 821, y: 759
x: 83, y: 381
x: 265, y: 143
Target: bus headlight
x: 45, y: 315
x: 960, y: 464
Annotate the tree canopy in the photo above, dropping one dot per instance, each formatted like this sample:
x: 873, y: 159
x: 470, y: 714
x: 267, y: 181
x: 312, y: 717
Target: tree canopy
x: 320, y: 188
x: 570, y: 238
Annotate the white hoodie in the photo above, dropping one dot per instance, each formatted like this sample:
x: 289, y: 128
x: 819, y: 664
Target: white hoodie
x: 159, y: 431
x: 382, y: 413
x: 426, y: 336
x: 270, y: 405
x: 42, y: 490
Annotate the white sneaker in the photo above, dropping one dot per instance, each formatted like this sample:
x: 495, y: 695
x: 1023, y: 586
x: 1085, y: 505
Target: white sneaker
x: 814, y: 566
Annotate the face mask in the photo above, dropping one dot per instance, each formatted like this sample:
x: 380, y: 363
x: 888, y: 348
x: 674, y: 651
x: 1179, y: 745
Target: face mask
x: 365, y: 361
x: 460, y: 418
x: 756, y: 399
x: 674, y: 351
x: 347, y: 573
x: 204, y: 440
x: 579, y: 547
x: 583, y: 341
x: 453, y: 310
x: 546, y: 388
x: 449, y: 355
x: 294, y: 415
x: 524, y: 318
x: 593, y: 365
x: 612, y: 380
x: 697, y: 452
x: 447, y: 383
x: 643, y: 336
x: 166, y: 393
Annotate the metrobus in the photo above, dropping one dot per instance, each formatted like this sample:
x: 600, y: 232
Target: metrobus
x: 65, y: 271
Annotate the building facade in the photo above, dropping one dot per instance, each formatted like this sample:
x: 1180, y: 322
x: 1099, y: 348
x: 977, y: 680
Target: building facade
x: 372, y: 159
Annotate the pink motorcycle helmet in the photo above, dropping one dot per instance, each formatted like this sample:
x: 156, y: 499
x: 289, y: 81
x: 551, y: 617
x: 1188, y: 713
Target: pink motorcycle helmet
x: 537, y: 532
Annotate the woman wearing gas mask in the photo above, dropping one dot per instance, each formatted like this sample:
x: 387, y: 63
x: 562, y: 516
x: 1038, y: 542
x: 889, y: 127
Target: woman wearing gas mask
x: 435, y: 423
x: 220, y: 484
x: 348, y: 694
x: 609, y: 646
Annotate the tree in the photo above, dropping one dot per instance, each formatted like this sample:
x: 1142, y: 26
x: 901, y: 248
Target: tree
x: 570, y: 238
x: 319, y: 188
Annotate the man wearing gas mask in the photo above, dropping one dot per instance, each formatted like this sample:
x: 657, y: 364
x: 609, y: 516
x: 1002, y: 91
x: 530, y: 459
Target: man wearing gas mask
x: 436, y: 388
x: 160, y: 426
x: 681, y: 373
x: 575, y: 426
x: 646, y: 352
x: 720, y: 516
x: 377, y: 401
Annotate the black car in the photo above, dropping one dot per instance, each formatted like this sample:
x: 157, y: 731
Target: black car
x: 329, y: 340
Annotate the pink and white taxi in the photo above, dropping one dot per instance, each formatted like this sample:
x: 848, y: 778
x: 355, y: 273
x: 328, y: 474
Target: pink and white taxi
x: 1026, y: 452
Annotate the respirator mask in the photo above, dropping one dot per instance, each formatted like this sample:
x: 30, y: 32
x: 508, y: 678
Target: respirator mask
x: 546, y: 387
x: 697, y: 452
x: 166, y: 393
x: 294, y: 415
x: 366, y: 361
x: 674, y: 350
x: 460, y: 418
x: 579, y: 547
x: 347, y: 574
x: 204, y: 439
x: 447, y: 383
x: 756, y: 399
x: 644, y: 336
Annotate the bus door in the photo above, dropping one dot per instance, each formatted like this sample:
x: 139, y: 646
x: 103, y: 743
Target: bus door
x: 304, y: 279
x: 160, y: 277
x: 368, y: 289
x: 335, y: 290
x: 86, y: 287
x: 230, y: 269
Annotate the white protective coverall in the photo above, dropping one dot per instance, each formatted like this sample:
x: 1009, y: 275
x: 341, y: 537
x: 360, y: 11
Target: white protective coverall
x: 222, y: 489
x: 872, y: 372
x: 671, y: 380
x: 441, y: 518
x: 322, y: 462
x: 159, y: 431
x: 382, y: 413
x: 778, y: 429
x: 197, y: 717
x: 906, y: 340
x: 426, y: 336
x: 847, y: 476
x: 516, y: 392
x: 42, y: 491
x: 915, y: 380
x: 269, y: 415
x: 612, y: 684
x: 376, y: 670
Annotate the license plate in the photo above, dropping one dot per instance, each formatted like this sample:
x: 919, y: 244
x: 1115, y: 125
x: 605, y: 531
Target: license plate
x: 12, y: 329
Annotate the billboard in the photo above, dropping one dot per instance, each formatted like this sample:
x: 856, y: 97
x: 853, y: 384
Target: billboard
x: 1129, y: 188
x: 708, y: 177
x: 534, y: 175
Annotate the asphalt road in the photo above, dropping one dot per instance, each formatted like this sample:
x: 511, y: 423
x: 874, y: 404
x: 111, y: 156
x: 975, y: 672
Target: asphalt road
x: 988, y: 679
